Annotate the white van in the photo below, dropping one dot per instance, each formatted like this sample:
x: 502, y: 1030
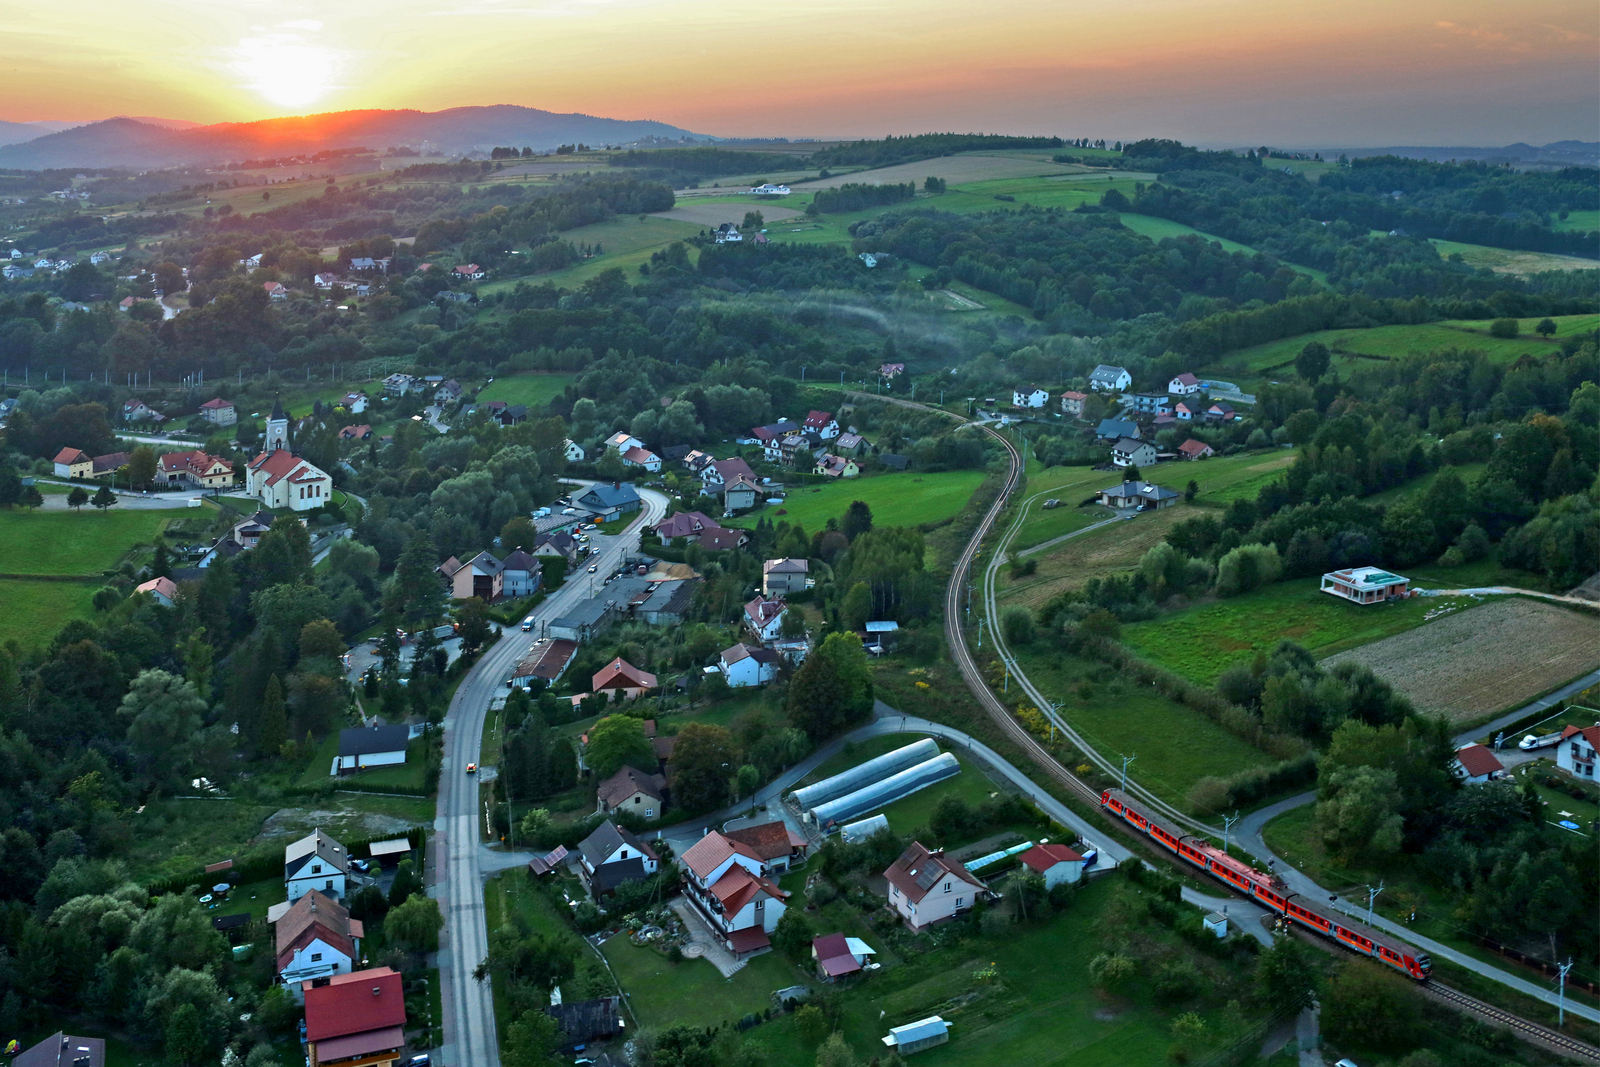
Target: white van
x: 527, y: 624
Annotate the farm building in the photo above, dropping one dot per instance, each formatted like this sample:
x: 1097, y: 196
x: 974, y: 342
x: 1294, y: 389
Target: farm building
x: 838, y: 956
x: 856, y: 832
x: 1365, y: 585
x: 1056, y: 863
x: 811, y: 797
x: 886, y: 791
x: 914, y: 1037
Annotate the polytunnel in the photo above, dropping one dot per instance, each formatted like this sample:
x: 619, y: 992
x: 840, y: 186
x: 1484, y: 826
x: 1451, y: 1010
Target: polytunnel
x: 864, y: 774
x: 859, y: 831
x: 887, y: 791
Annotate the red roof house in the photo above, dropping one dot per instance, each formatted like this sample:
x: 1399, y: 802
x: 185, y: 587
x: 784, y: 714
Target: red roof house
x: 1055, y: 862
x: 620, y: 674
x: 356, y: 1017
x: 1193, y: 449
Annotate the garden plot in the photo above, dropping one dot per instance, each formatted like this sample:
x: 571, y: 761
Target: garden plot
x: 1468, y: 665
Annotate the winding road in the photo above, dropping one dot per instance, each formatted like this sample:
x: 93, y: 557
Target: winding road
x: 459, y: 861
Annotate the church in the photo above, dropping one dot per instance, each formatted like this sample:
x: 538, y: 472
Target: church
x: 279, y: 478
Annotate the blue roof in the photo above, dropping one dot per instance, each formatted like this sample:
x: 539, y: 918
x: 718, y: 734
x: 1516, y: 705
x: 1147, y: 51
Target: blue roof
x: 1117, y: 428
x: 612, y: 495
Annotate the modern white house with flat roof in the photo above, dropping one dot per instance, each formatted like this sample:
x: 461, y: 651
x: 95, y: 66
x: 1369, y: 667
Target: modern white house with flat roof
x: 1366, y: 585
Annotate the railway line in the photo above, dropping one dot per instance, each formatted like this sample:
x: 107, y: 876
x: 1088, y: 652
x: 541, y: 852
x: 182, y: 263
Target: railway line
x: 1554, y: 1040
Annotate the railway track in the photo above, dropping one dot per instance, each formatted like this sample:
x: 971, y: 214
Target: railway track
x: 1554, y: 1040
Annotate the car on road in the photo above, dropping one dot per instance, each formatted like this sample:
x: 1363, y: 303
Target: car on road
x: 593, y: 567
x: 527, y: 624
x: 472, y: 768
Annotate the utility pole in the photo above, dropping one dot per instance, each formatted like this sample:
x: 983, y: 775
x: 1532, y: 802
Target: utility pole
x: 1561, y: 997
x: 1372, y: 895
x: 1227, y: 830
x: 1125, y: 761
x: 1055, y: 706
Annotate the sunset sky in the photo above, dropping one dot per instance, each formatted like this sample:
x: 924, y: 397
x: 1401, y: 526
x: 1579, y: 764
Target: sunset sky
x: 1352, y: 73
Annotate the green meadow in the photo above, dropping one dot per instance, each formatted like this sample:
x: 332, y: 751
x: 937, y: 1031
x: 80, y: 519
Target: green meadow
x: 533, y: 389
x: 81, y: 542
x: 907, y: 499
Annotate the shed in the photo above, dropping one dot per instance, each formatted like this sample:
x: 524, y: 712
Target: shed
x: 914, y: 1037
x: 1217, y: 923
x: 387, y: 852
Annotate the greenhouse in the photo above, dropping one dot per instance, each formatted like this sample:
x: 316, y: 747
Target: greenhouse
x: 864, y: 774
x: 889, y: 790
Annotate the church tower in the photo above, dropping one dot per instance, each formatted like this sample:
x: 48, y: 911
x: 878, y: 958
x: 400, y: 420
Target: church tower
x: 277, y: 429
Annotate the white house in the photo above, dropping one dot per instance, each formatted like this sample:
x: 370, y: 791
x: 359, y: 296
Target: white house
x: 279, y: 478
x: 726, y: 882
x: 1029, y: 396
x: 928, y: 887
x: 1128, y: 452
x: 610, y: 856
x: 1365, y: 585
x: 318, y: 862
x: 1576, y: 752
x: 574, y: 451
x: 520, y: 574
x: 163, y: 590
x: 398, y: 384
x: 769, y: 189
x: 1184, y: 384
x: 1055, y: 863
x: 1108, y: 379
x: 621, y: 441
x: 764, y: 617
x: 372, y: 746
x: 743, y: 665
x: 315, y: 940
x: 642, y: 457
x: 1476, y: 764
x: 354, y: 402
x: 823, y: 424
x: 784, y: 575
x: 276, y: 290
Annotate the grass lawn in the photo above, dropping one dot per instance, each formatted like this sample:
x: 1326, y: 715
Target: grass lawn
x: 1578, y: 221
x: 531, y: 388
x: 1158, y: 228
x: 1468, y: 472
x: 693, y: 993
x: 1108, y: 550
x: 35, y: 610
x: 907, y: 499
x: 1175, y: 746
x: 1201, y: 642
x: 409, y: 775
x: 1506, y: 261
x: 82, y: 542
x: 913, y: 812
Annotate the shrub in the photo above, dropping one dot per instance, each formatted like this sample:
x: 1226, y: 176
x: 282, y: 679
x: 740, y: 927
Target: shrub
x: 1017, y: 625
x: 1504, y: 328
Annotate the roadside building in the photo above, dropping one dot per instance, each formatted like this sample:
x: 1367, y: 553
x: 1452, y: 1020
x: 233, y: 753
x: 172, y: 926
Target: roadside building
x: 1476, y: 764
x: 1365, y: 585
x: 356, y: 1020
x: 1055, y: 863
x: 364, y: 747
x: 611, y: 856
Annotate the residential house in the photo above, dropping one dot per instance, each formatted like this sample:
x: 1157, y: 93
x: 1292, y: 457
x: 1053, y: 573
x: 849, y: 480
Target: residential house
x: 796, y: 448
x: 1029, y: 396
x: 520, y: 574
x: 720, y: 539
x: 837, y: 466
x: 777, y: 846
x: 784, y: 575
x: 245, y: 535
x: 1055, y: 863
x: 510, y: 414
x: 482, y: 576
x: 1129, y: 452
x: 838, y: 956
x: 771, y: 435
x: 621, y: 441
x: 356, y: 1020
x: 447, y: 392
x: 1072, y: 403
x: 609, y: 501
x: 914, y: 1037
x: 276, y: 290
x: 355, y: 402
x: 1366, y: 585
x: 557, y: 543
x: 727, y: 884
x: 746, y: 665
x: 685, y: 524
x: 123, y: 305
x: 61, y: 1049
x: 928, y: 887
x: 718, y: 473
x: 620, y: 676
x: 138, y: 411
x: 468, y: 272
x: 1576, y: 752
x: 318, y: 862
x: 891, y: 371
x: 821, y: 423
x: 162, y: 590
x: 1192, y: 450
x: 1185, y: 410
x: 849, y: 444
x: 1152, y: 403
x: 110, y: 463
x: 361, y: 432
x: 1184, y: 384
x: 363, y: 747
x: 764, y: 617
x: 325, y: 280
x: 642, y: 457
x: 315, y: 940
x: 1141, y: 495
x: 639, y: 792
x: 583, y: 1022
x: 73, y: 463
x: 574, y: 452
x: 363, y: 263
x: 1109, y: 379
x: 610, y: 856
x: 694, y: 461
x: 194, y: 468
x: 399, y: 384
x: 1221, y: 411
x: 1476, y: 765
x: 547, y: 661
x: 1115, y: 429
x: 219, y: 411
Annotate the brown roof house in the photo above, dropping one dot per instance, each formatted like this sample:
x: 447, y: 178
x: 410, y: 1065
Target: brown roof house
x: 610, y: 856
x: 776, y: 844
x: 621, y: 676
x: 632, y: 790
x: 356, y: 1020
x: 726, y: 882
x: 928, y: 887
x: 73, y: 463
x: 316, y: 939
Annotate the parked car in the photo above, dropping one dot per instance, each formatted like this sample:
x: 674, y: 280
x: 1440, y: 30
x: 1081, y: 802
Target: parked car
x: 360, y: 865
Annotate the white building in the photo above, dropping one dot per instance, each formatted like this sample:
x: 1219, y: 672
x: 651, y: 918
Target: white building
x: 1365, y: 585
x: 1108, y: 379
x: 1576, y: 752
x: 764, y: 617
x: 726, y: 882
x: 1055, y: 863
x: 621, y: 441
x: 1128, y: 452
x: 743, y: 665
x: 1184, y: 384
x: 1476, y: 764
x: 279, y: 478
x: 318, y: 862
x: 371, y: 746
x: 574, y: 451
x: 769, y: 190
x: 1029, y: 396
x: 315, y: 939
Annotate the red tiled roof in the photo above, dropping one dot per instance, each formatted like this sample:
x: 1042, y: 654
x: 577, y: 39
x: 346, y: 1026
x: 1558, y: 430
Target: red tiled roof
x: 281, y: 463
x: 711, y: 851
x: 749, y: 939
x: 72, y: 455
x: 165, y: 586
x: 619, y: 673
x: 1478, y: 760
x: 1192, y: 447
x: 312, y: 916
x: 1042, y: 857
x: 628, y: 781
x: 216, y: 405
x: 769, y: 841
x: 911, y: 872
x: 833, y: 955
x: 739, y: 887
x: 194, y: 461
x: 355, y: 1004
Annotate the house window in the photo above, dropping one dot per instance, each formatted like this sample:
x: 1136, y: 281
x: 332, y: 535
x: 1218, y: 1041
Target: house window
x: 330, y: 885
x: 961, y: 902
x: 649, y: 813
x: 316, y: 957
x: 638, y: 800
x: 622, y: 853
x: 316, y: 869
x: 761, y: 906
x: 947, y: 887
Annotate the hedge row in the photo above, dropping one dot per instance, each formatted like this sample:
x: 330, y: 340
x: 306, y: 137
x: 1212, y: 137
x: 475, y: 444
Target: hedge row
x: 1253, y: 784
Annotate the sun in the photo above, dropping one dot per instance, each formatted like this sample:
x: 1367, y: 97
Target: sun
x: 285, y: 71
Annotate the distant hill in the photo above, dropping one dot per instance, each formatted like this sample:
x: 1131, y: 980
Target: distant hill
x: 171, y: 124
x: 54, y: 125
x: 1557, y: 153
x: 16, y: 132
x: 124, y: 142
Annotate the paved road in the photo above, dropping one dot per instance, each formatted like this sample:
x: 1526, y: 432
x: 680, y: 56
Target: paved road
x: 469, y: 1030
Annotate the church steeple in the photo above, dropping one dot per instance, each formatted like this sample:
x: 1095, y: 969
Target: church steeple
x: 277, y: 429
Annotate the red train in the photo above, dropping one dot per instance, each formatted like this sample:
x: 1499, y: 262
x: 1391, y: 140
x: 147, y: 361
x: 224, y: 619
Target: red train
x: 1268, y: 891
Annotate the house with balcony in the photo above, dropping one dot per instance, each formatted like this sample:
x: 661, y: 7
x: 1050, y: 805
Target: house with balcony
x: 784, y: 575
x: 727, y: 884
x: 1072, y: 403
x: 764, y: 617
x: 1576, y: 752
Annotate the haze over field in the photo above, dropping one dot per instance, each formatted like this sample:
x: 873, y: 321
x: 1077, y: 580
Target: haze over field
x: 1242, y: 71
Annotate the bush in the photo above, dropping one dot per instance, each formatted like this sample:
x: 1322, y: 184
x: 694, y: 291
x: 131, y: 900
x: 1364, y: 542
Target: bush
x: 1017, y: 625
x: 1504, y: 328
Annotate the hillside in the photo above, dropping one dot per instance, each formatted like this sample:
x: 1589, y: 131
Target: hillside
x: 17, y: 132
x: 124, y: 142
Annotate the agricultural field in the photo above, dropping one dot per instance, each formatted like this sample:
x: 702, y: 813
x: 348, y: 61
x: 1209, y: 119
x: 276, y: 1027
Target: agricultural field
x: 1158, y: 228
x: 624, y: 242
x: 1096, y: 554
x: 1506, y: 261
x: 714, y: 212
x: 532, y: 388
x: 1470, y: 664
x: 1202, y: 641
x: 907, y: 499
x: 1467, y: 472
x: 1578, y: 222
x: 36, y: 608
x: 81, y: 543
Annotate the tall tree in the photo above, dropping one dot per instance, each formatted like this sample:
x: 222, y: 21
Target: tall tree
x: 703, y: 764
x: 617, y: 741
x: 273, y: 729
x: 142, y: 466
x: 832, y: 688
x: 162, y: 713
